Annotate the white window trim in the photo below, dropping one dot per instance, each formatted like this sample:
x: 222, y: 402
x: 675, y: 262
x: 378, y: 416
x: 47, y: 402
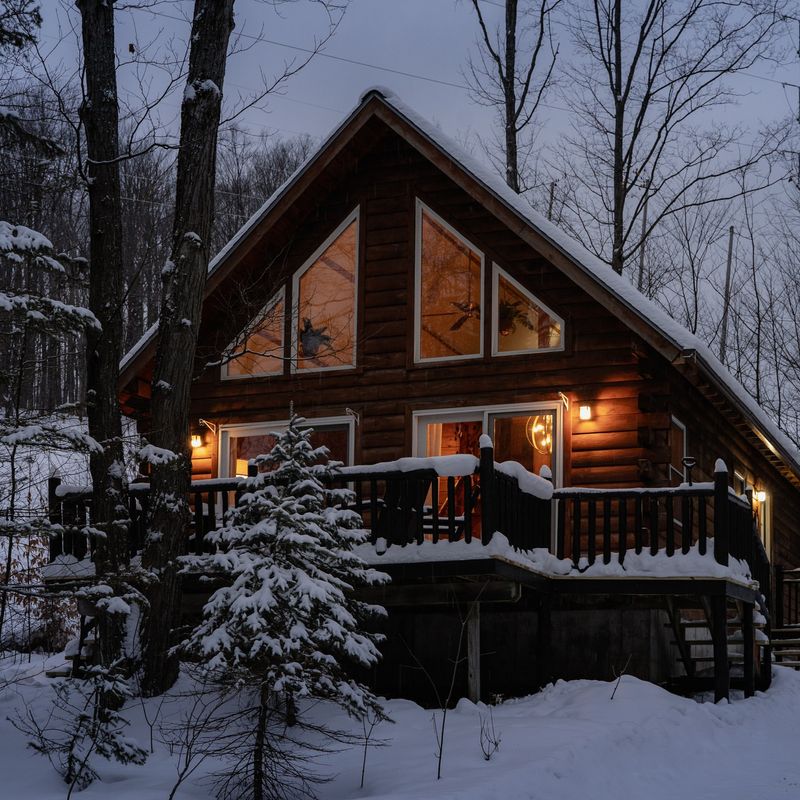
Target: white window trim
x: 496, y: 271
x: 675, y: 421
x: 278, y: 297
x: 465, y: 414
x: 264, y: 428
x: 353, y: 216
x: 420, y: 206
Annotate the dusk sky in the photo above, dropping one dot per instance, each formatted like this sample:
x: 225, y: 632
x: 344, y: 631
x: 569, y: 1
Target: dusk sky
x: 427, y: 38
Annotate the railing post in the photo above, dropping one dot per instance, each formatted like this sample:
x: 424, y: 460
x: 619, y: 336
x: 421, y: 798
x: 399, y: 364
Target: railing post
x: 488, y: 490
x: 721, y: 513
x: 778, y: 608
x: 54, y: 515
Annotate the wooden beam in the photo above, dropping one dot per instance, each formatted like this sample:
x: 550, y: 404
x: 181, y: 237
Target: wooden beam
x: 748, y: 638
x: 439, y: 594
x: 719, y: 634
x: 474, y: 653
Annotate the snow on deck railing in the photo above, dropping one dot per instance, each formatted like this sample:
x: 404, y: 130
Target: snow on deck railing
x: 455, y: 466
x: 528, y: 482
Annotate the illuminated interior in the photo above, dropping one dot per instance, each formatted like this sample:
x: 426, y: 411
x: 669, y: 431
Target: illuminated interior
x: 325, y: 306
x: 450, y: 303
x: 522, y: 324
x: 526, y: 438
x: 262, y: 352
x: 242, y: 448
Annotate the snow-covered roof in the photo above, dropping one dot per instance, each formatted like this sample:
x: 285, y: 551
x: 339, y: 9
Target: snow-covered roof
x: 654, y: 317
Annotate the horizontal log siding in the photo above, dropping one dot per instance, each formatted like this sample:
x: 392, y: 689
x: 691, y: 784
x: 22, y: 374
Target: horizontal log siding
x: 631, y: 389
x: 598, y: 365
x: 711, y: 435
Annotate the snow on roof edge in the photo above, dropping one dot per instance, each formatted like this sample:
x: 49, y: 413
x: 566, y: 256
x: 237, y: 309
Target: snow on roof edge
x: 251, y: 223
x: 597, y: 269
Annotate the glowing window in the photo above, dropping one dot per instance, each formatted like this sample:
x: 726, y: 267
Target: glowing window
x: 258, y: 349
x: 449, y: 288
x: 325, y: 303
x: 522, y: 324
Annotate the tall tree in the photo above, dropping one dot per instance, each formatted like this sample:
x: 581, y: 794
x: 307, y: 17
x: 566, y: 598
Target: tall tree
x: 179, y: 319
x: 513, y: 73
x: 643, y: 87
x: 100, y: 118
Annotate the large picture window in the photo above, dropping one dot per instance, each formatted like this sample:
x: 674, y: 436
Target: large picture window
x: 259, y: 348
x: 324, y: 321
x: 240, y: 443
x: 449, y: 288
x: 521, y: 323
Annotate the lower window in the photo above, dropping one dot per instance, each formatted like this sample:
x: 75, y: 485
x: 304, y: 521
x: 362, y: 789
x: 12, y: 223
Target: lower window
x: 528, y: 434
x: 240, y: 443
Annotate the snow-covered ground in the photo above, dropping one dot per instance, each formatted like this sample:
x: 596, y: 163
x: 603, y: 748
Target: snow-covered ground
x: 570, y: 742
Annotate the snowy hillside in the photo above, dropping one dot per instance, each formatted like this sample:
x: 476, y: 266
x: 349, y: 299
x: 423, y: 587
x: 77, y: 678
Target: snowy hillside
x: 569, y: 742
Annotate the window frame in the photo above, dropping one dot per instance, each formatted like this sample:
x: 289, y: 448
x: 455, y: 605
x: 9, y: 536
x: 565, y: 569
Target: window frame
x: 495, y: 298
x: 421, y: 207
x: 267, y: 426
x: 678, y: 424
x: 470, y: 413
x: 294, y: 356
x: 279, y: 296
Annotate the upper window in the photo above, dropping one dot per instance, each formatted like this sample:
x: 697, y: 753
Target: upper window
x: 258, y: 350
x: 449, y: 283
x: 324, y: 320
x: 521, y: 323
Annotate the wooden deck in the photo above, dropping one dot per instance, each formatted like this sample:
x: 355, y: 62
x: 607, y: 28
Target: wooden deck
x: 582, y: 528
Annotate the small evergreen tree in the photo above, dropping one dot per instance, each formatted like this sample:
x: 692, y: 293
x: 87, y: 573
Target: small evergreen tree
x: 286, y: 622
x: 83, y: 723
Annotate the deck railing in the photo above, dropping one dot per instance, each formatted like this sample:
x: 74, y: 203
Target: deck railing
x: 594, y: 524
x: 412, y: 502
x: 399, y: 506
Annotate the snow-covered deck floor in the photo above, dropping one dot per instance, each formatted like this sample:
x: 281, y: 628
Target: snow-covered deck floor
x: 446, y: 558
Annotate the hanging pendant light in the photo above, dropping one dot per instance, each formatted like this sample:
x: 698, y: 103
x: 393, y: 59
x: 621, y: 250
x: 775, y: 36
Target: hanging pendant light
x: 539, y: 432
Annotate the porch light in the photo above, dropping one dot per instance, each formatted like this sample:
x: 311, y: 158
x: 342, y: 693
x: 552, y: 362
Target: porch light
x: 196, y: 440
x: 761, y: 496
x: 585, y: 412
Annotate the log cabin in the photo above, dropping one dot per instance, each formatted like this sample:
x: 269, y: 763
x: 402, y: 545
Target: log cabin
x: 409, y: 305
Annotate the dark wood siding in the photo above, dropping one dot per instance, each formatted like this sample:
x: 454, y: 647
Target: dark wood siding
x: 632, y: 389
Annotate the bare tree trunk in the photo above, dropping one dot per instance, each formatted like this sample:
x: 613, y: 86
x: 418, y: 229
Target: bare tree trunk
x: 184, y: 279
x: 618, y: 234
x: 508, y: 79
x: 512, y: 165
x: 100, y: 117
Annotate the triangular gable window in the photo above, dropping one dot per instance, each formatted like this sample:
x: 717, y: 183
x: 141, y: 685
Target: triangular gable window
x: 324, y: 290
x: 520, y: 322
x: 258, y: 350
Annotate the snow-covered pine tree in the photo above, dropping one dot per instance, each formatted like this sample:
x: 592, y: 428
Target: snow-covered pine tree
x: 37, y: 328
x: 286, y: 622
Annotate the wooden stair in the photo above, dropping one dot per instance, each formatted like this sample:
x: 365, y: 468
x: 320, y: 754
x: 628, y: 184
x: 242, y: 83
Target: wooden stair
x: 692, y: 626
x: 785, y: 643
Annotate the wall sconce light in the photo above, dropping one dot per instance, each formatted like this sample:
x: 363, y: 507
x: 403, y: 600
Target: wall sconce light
x: 196, y: 440
x: 761, y: 496
x: 585, y: 412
